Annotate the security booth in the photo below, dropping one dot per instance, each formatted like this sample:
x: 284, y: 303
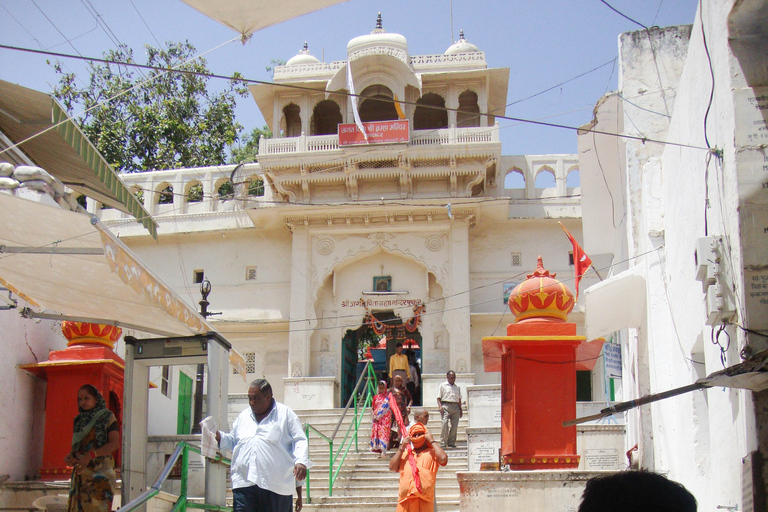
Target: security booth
x: 211, y: 349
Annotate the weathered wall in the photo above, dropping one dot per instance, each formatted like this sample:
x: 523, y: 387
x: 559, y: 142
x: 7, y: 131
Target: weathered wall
x: 23, y: 397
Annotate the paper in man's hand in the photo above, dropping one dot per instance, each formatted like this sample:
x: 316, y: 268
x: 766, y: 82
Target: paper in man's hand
x: 208, y: 446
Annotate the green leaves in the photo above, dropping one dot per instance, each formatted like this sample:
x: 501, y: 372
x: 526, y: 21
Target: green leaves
x: 247, y: 150
x: 157, y: 119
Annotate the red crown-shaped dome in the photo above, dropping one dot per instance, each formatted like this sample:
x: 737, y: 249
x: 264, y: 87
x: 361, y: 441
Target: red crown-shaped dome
x: 541, y: 296
x: 83, y: 333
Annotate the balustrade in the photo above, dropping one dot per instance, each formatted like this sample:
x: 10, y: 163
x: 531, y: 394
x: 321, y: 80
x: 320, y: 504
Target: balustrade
x: 443, y: 136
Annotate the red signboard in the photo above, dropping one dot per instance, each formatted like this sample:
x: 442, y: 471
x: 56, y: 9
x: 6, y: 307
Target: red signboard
x: 379, y: 132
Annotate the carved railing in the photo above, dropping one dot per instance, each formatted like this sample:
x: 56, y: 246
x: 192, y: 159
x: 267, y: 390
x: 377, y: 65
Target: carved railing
x: 452, y: 135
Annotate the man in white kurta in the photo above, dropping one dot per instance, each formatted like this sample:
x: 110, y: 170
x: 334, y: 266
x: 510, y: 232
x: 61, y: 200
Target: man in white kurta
x: 269, y: 453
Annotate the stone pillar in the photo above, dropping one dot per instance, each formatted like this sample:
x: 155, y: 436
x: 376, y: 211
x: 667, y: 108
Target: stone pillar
x: 452, y: 102
x: 456, y: 316
x: 298, y: 338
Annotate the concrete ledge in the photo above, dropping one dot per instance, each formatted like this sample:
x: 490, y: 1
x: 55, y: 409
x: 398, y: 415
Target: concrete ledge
x: 311, y: 392
x: 531, y: 491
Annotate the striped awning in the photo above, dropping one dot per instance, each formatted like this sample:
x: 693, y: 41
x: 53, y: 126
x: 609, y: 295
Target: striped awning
x: 31, y: 119
x: 68, y: 263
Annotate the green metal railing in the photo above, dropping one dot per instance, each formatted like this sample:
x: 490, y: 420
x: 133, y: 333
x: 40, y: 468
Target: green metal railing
x: 368, y: 377
x: 182, y: 504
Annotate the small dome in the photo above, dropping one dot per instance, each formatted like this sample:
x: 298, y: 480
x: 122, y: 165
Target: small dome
x: 461, y: 46
x: 303, y: 57
x: 541, y: 296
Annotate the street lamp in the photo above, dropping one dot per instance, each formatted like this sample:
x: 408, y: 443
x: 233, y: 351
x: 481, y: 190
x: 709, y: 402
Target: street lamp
x: 205, y: 290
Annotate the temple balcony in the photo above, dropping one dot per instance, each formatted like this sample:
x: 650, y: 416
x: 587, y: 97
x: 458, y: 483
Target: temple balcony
x: 451, y: 136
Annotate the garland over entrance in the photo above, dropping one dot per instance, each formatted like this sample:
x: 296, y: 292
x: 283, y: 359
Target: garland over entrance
x: 381, y: 326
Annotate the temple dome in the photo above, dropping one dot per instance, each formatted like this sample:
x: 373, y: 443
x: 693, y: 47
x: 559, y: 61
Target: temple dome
x: 461, y: 46
x: 303, y: 57
x: 378, y: 38
x: 541, y: 296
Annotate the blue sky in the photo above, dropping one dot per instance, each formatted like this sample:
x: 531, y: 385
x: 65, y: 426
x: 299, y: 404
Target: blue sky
x: 543, y: 43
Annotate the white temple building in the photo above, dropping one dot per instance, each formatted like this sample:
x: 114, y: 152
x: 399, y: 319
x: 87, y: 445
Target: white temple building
x: 325, y: 231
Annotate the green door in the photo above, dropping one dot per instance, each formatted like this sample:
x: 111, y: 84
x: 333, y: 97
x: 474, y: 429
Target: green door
x: 184, y: 416
x: 348, y: 365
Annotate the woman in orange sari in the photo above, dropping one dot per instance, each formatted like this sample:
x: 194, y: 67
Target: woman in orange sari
x: 95, y: 438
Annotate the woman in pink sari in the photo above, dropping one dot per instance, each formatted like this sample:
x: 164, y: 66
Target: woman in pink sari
x: 381, y: 420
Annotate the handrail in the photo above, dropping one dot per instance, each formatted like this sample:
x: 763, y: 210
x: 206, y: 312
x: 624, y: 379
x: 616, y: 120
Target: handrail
x: 369, y: 376
x: 182, y: 450
x: 368, y: 369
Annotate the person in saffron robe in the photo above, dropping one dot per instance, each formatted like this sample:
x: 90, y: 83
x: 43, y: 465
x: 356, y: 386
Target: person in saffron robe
x: 382, y: 420
x: 95, y: 438
x: 429, y: 457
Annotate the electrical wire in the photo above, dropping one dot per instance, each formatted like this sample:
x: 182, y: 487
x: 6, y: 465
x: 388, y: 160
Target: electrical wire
x: 159, y: 44
x: 612, y: 61
x: 623, y: 15
x: 342, y: 93
x: 106, y: 100
x: 57, y: 28
x: 711, y: 73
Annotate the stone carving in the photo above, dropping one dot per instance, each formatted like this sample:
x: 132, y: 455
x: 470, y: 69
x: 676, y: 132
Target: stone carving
x: 461, y: 366
x: 380, y: 50
x: 434, y: 243
x: 324, y: 345
x: 296, y: 370
x: 380, y: 238
x: 325, y: 246
x: 439, y: 340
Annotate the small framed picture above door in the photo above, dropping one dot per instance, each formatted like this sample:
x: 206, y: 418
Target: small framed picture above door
x: 382, y: 283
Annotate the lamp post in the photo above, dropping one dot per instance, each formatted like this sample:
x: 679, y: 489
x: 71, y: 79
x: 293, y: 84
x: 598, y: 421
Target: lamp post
x: 197, y: 416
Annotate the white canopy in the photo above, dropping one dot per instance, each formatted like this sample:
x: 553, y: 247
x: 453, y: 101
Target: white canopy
x: 68, y: 263
x: 248, y: 16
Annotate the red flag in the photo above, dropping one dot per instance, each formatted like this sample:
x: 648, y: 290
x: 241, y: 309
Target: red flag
x: 581, y: 261
x: 403, y: 433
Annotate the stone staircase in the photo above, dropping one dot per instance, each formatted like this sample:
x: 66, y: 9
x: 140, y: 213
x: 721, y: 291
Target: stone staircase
x: 364, y: 482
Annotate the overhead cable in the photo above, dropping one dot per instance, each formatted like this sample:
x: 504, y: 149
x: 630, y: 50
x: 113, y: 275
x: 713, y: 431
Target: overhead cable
x: 581, y: 130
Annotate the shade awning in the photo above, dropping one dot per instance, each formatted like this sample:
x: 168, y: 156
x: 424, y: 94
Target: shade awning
x: 68, y: 263
x: 247, y: 16
x: 64, y: 151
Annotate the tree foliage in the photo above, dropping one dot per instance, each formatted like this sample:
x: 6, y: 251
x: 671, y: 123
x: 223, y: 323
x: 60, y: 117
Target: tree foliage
x: 172, y: 121
x: 247, y: 149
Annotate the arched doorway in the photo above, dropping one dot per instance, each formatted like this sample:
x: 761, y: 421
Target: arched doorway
x: 377, y: 339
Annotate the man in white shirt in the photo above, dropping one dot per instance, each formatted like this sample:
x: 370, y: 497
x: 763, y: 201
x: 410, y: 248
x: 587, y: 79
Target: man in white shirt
x: 269, y: 453
x: 449, y: 403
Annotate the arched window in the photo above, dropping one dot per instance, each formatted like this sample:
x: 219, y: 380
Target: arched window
x: 325, y: 118
x: 425, y: 118
x: 255, y: 187
x: 378, y: 104
x: 469, y: 110
x: 165, y: 195
x: 291, y: 124
x: 226, y: 190
x: 545, y: 178
x: 514, y: 180
x: 194, y: 192
x: 573, y: 179
x: 137, y: 191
